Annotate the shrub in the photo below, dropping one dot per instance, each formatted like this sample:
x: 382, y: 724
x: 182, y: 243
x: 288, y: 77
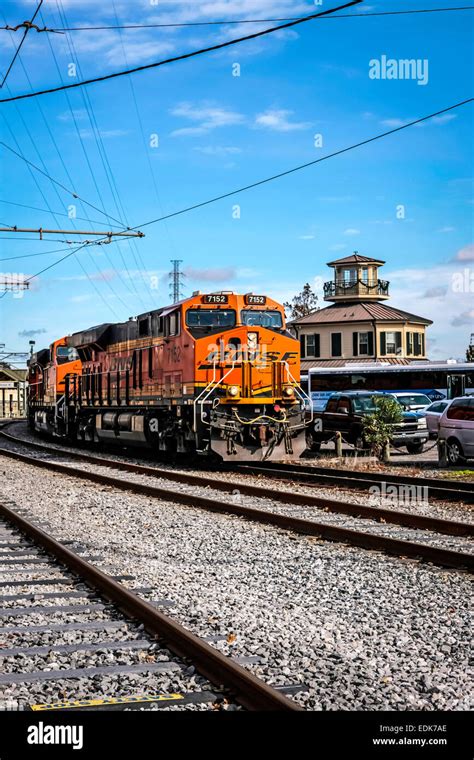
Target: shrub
x: 378, y: 427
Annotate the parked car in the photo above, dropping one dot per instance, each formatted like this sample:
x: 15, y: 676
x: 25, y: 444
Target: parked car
x: 433, y: 413
x: 412, y: 402
x: 344, y: 413
x: 456, y: 427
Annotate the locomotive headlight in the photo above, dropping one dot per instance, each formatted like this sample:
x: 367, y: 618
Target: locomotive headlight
x: 233, y: 390
x: 288, y: 391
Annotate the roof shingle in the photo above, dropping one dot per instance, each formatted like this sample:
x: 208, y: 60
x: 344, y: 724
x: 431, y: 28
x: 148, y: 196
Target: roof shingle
x: 359, y: 312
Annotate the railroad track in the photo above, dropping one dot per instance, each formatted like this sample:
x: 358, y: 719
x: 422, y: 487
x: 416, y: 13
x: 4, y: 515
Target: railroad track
x: 362, y: 539
x: 448, y: 490
x: 31, y: 561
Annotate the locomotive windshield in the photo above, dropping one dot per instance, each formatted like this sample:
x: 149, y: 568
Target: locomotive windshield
x: 254, y: 318
x: 210, y: 318
x: 66, y: 354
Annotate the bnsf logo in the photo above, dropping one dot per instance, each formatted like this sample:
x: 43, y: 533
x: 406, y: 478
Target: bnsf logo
x: 259, y: 354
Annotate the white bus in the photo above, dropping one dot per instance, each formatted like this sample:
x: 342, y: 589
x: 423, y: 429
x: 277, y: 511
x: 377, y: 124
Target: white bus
x: 437, y: 380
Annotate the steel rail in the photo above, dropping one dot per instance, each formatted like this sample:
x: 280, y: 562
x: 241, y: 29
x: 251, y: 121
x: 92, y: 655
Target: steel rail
x: 398, y: 547
x: 450, y: 490
x: 396, y: 517
x: 220, y: 670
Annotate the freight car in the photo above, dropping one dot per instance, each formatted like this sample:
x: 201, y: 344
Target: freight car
x: 217, y: 373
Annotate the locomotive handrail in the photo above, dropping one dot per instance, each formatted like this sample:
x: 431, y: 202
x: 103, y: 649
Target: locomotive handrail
x: 212, y: 384
x: 304, y: 396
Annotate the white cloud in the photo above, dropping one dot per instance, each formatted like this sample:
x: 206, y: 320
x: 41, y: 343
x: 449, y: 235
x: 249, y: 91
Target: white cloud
x: 218, y: 150
x: 76, y: 113
x: 207, y: 117
x: 447, y: 229
x: 393, y: 123
x: 307, y: 237
x: 81, y: 299
x: 279, y: 121
x: 104, y: 133
x: 442, y: 293
x: 465, y: 318
x: 465, y: 254
x: 351, y: 231
x: 337, y: 247
x: 444, y: 118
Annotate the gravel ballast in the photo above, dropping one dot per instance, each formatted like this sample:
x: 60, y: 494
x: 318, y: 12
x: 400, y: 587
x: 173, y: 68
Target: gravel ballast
x: 362, y: 630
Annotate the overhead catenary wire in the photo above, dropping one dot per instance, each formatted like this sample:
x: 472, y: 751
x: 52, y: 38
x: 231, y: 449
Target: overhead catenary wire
x: 142, y: 130
x: 33, y: 255
x: 183, y: 56
x: 300, y: 167
x: 236, y: 22
x: 59, y: 213
x: 287, y: 172
x: 54, y: 185
x: 106, y: 167
x: 56, y: 182
x: 17, y: 52
x: 91, y: 171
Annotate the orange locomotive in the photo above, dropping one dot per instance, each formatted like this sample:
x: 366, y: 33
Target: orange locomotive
x: 215, y: 373
x: 47, y: 372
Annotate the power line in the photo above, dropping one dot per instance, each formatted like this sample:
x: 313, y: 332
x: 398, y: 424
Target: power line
x: 182, y: 57
x: 58, y: 213
x: 32, y: 255
x: 105, y: 164
x: 283, y: 174
x: 306, y: 165
x: 17, y: 52
x: 249, y: 20
x: 86, y: 156
x: 55, y: 181
x: 144, y: 142
x: 33, y: 142
x: 63, y: 258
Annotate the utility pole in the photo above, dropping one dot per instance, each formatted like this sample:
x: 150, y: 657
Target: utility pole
x: 176, y: 278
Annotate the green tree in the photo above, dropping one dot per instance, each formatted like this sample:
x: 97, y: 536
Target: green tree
x: 302, y: 304
x: 470, y: 350
x: 378, y: 427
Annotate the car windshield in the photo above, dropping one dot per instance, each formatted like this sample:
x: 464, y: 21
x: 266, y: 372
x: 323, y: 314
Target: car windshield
x: 414, y: 399
x: 210, y: 318
x: 260, y: 318
x: 365, y: 405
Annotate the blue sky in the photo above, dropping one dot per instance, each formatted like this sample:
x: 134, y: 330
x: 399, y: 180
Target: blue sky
x: 217, y: 132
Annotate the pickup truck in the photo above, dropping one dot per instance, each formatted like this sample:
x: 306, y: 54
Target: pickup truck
x: 344, y: 413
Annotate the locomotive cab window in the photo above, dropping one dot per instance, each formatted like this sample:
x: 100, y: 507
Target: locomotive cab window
x: 210, y: 318
x: 66, y: 354
x: 261, y: 318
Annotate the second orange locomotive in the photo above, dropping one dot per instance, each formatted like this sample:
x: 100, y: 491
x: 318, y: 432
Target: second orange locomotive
x: 215, y: 373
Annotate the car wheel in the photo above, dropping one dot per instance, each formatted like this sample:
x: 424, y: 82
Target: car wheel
x: 454, y: 451
x: 415, y: 448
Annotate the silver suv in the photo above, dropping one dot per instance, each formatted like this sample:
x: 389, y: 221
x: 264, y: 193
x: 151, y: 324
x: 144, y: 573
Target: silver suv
x: 456, y: 427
